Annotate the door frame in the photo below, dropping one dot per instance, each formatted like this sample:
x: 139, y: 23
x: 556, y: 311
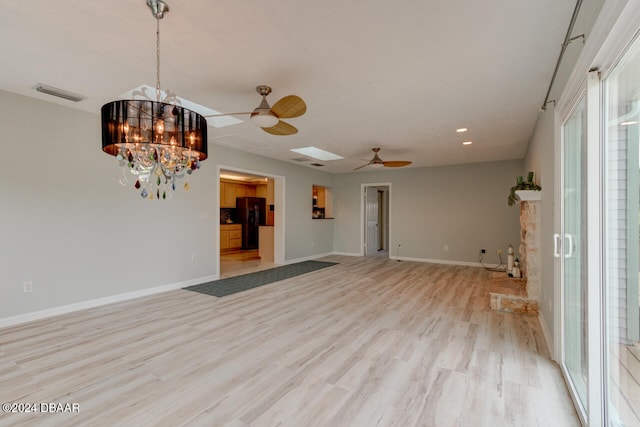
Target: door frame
x: 590, y: 91
x: 363, y: 224
x: 279, y: 217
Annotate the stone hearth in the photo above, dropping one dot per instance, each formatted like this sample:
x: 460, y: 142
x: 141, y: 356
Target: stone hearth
x: 523, y: 295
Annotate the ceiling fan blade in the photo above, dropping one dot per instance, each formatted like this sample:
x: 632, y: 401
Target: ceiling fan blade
x: 289, y: 107
x: 396, y: 163
x: 363, y: 166
x: 282, y: 128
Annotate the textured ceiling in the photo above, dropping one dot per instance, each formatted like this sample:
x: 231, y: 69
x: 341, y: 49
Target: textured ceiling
x: 399, y: 75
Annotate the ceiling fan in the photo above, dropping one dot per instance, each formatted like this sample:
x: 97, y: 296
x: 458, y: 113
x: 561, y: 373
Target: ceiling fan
x: 378, y: 162
x: 268, y: 118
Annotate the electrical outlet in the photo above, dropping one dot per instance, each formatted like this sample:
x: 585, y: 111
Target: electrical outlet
x: 483, y: 251
x: 27, y: 286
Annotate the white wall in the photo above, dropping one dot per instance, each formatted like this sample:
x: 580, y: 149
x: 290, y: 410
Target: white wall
x: 70, y: 227
x: 463, y: 207
x: 540, y: 159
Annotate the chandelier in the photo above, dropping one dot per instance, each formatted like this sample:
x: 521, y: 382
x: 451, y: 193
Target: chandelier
x: 157, y: 141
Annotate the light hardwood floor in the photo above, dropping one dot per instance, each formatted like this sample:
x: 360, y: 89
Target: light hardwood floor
x: 234, y: 263
x: 368, y: 342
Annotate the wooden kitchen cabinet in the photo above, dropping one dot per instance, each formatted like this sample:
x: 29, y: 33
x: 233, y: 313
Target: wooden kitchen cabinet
x: 261, y: 190
x: 230, y: 236
x: 227, y: 195
x: 229, y: 191
x: 224, y: 239
x: 321, y: 197
x: 245, y: 190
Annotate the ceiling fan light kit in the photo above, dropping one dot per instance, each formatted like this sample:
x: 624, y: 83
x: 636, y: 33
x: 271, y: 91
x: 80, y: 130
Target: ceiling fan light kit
x: 262, y: 115
x: 268, y: 118
x: 264, y: 120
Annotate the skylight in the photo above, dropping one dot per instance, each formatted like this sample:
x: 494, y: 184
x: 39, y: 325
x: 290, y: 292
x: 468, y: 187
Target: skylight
x: 217, y: 122
x: 317, y: 153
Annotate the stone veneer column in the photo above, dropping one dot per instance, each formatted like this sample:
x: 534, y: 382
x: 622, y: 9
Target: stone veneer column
x: 529, y: 251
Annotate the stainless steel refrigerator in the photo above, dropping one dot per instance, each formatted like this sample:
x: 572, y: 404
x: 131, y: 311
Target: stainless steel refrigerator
x: 252, y: 213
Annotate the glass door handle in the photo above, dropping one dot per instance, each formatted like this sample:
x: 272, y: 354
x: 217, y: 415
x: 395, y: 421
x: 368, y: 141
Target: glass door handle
x: 556, y: 245
x: 568, y: 237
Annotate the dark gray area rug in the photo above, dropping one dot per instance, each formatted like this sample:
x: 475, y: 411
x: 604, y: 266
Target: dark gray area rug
x: 231, y: 285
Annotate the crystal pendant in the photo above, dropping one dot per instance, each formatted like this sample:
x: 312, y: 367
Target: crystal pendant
x: 137, y: 184
x: 123, y: 180
x: 144, y: 193
x: 186, y: 185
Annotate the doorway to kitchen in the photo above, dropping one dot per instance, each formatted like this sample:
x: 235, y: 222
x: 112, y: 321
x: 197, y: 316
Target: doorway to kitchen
x: 375, y: 219
x: 250, y: 235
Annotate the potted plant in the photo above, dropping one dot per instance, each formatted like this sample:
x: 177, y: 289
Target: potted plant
x: 521, y: 186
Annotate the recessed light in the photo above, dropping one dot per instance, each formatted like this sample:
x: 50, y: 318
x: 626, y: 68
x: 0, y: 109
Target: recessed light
x: 631, y: 122
x: 461, y: 130
x: 467, y: 143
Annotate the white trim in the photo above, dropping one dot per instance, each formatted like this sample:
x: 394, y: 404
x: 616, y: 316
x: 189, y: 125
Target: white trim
x: 346, y: 253
x: 307, y: 258
x: 438, y: 261
x: 595, y: 344
x: 279, y: 221
x: 363, y: 191
x: 83, y: 305
x: 548, y: 339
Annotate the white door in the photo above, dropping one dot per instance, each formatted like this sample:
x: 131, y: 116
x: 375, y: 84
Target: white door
x: 371, y: 221
x: 573, y: 258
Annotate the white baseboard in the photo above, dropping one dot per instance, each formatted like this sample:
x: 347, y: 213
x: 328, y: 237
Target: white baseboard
x: 346, y: 253
x: 83, y: 305
x: 547, y: 335
x: 307, y: 258
x: 438, y: 261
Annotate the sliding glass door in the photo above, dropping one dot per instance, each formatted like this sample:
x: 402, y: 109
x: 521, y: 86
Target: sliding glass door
x: 573, y: 255
x: 597, y: 236
x: 622, y: 239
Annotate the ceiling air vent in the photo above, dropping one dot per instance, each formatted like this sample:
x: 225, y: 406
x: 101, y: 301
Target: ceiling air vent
x: 60, y: 93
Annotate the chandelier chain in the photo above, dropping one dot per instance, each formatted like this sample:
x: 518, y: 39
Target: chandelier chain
x: 158, y: 58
